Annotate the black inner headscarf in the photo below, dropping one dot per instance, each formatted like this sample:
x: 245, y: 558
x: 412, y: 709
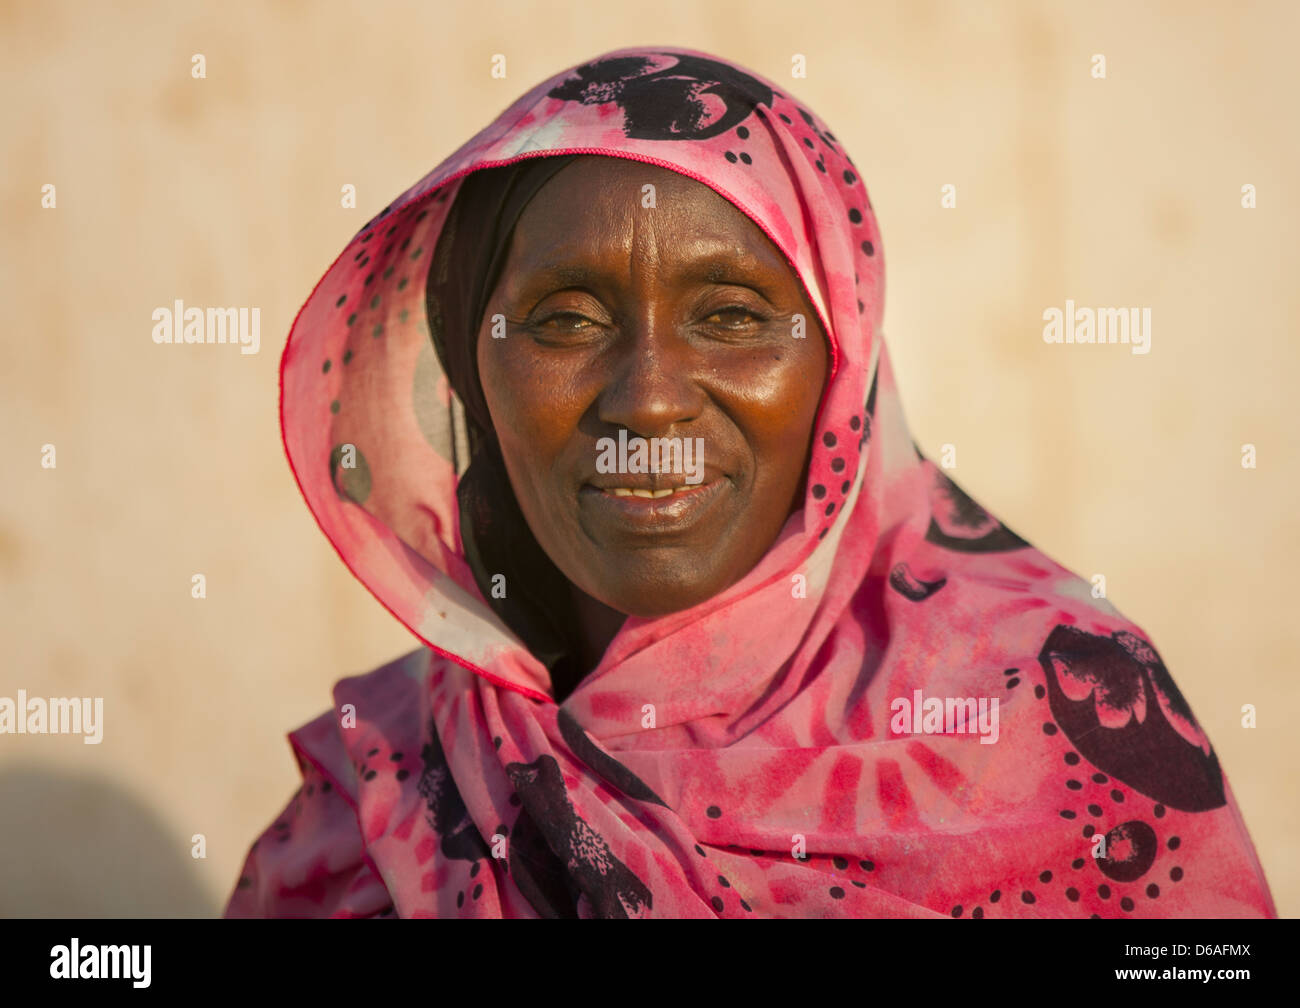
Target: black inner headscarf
x: 466, y: 267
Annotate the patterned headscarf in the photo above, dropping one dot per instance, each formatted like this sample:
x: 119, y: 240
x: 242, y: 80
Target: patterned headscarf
x: 903, y: 710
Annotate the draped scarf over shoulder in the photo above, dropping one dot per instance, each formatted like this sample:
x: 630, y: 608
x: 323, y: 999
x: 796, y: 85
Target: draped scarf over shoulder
x: 903, y: 710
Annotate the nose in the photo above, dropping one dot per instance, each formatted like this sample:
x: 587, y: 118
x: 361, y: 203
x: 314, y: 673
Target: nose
x: 653, y: 388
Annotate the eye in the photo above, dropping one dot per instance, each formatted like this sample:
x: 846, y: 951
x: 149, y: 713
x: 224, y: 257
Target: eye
x: 573, y: 317
x: 739, y: 314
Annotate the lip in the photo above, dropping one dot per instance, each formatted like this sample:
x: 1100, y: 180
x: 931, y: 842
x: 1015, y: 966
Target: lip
x: 674, y: 513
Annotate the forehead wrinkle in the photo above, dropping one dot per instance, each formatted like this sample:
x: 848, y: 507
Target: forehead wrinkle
x: 692, y: 236
x: 723, y: 263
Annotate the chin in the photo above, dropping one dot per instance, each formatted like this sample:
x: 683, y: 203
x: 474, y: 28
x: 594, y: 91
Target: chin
x: 661, y: 600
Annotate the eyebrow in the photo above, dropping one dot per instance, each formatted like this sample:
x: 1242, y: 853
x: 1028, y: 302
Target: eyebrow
x: 747, y: 271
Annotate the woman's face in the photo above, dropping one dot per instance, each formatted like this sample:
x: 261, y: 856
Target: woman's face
x: 664, y: 317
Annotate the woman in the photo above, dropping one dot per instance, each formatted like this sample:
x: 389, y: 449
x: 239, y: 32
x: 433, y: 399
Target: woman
x: 600, y: 410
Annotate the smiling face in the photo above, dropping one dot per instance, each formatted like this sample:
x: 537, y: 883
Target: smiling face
x: 671, y: 321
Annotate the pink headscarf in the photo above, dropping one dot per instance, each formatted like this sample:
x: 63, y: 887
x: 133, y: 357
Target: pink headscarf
x: 775, y: 751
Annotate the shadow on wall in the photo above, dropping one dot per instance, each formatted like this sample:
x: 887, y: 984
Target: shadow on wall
x: 80, y: 846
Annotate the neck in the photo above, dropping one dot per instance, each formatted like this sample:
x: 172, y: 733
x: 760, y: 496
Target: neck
x: 597, y: 625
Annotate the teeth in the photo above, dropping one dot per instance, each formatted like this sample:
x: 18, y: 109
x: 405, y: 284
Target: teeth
x: 628, y: 492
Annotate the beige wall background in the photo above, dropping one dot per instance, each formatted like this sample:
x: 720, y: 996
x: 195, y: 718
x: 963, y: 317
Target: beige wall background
x: 225, y: 191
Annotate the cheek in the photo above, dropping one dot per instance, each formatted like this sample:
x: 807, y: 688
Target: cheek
x: 780, y: 411
x: 503, y: 386
x: 532, y: 423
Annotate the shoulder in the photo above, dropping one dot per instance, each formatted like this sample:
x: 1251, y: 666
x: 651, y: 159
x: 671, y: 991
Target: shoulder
x: 311, y: 861
x: 385, y: 701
